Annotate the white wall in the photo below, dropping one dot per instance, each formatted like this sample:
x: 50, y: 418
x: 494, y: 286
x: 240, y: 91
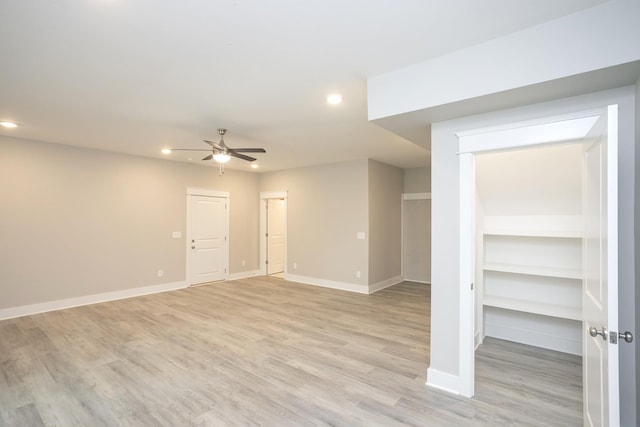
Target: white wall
x: 597, y: 38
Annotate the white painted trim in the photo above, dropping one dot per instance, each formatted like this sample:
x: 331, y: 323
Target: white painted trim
x: 613, y: 368
x: 402, y: 226
x: 466, y: 367
x: 424, y: 282
x: 547, y: 130
x: 416, y: 196
x: 443, y: 381
x: 282, y: 194
x: 385, y: 284
x: 196, y: 191
x: 27, y: 310
x: 343, y: 286
x: 264, y: 197
x: 243, y: 275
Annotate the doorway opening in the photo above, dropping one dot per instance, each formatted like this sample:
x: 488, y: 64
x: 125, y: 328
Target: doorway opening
x: 539, y: 246
x: 273, y: 234
x: 416, y: 237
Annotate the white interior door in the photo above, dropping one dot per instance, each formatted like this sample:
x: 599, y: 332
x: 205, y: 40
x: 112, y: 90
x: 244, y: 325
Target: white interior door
x: 207, y: 239
x: 276, y: 238
x: 600, y: 283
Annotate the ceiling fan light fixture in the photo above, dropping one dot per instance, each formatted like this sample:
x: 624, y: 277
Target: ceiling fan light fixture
x: 221, y: 157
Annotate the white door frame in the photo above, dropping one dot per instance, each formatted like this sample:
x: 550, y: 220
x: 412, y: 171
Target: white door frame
x: 196, y: 191
x: 264, y: 196
x: 549, y: 130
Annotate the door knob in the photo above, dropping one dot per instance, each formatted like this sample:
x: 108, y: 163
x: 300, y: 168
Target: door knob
x: 193, y: 247
x: 594, y: 332
x: 626, y: 336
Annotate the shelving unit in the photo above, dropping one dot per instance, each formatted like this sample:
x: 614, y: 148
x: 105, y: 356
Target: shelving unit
x: 528, y: 252
x: 532, y: 265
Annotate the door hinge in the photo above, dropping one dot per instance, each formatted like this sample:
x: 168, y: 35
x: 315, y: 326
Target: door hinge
x: 266, y: 262
x: 225, y: 238
x: 471, y: 285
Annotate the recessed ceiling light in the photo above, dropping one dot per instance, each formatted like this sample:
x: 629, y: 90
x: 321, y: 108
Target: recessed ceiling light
x: 6, y: 124
x: 334, y: 99
x: 166, y: 151
x: 254, y: 166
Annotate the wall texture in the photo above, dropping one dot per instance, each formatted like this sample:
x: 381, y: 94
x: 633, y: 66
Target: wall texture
x: 326, y: 207
x: 417, y: 180
x: 385, y: 222
x: 77, y: 222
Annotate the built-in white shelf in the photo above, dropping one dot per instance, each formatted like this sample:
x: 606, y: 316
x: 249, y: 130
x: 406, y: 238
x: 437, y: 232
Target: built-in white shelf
x: 565, y: 273
x: 572, y: 313
x: 570, y: 234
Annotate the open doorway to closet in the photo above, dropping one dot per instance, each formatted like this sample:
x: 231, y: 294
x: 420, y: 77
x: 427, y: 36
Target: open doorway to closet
x: 539, y: 223
x: 273, y: 233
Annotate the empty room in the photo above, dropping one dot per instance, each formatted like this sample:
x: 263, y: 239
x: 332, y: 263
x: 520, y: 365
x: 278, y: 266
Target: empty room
x: 335, y: 213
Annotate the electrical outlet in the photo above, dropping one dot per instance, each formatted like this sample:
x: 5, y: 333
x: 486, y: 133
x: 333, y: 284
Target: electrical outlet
x: 358, y: 274
x: 295, y: 265
x: 244, y: 262
x: 160, y: 273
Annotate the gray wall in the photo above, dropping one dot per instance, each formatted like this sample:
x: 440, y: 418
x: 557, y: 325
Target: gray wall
x: 77, y: 222
x: 417, y: 226
x: 326, y: 207
x: 417, y: 180
x: 385, y: 222
x: 445, y: 269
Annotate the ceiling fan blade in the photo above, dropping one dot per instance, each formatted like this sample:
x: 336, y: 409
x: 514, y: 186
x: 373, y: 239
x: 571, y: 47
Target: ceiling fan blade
x: 213, y: 144
x: 209, y: 157
x: 248, y: 150
x: 189, y: 149
x: 240, y: 156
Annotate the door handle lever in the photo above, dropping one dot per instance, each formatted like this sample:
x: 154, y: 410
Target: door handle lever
x: 594, y: 332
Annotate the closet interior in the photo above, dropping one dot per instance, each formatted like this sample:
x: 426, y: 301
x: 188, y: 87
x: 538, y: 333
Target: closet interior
x: 529, y: 246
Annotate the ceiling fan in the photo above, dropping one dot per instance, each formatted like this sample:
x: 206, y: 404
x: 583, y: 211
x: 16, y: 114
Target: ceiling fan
x: 222, y: 153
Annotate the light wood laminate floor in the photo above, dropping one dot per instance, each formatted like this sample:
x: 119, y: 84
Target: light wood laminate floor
x: 264, y: 351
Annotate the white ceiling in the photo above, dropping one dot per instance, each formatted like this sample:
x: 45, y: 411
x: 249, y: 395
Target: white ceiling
x: 135, y: 76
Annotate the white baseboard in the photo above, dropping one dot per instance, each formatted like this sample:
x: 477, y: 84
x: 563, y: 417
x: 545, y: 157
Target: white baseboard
x: 443, y: 381
x: 26, y: 310
x: 564, y: 344
x: 426, y: 282
x: 243, y: 275
x: 343, y: 286
x: 385, y: 284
